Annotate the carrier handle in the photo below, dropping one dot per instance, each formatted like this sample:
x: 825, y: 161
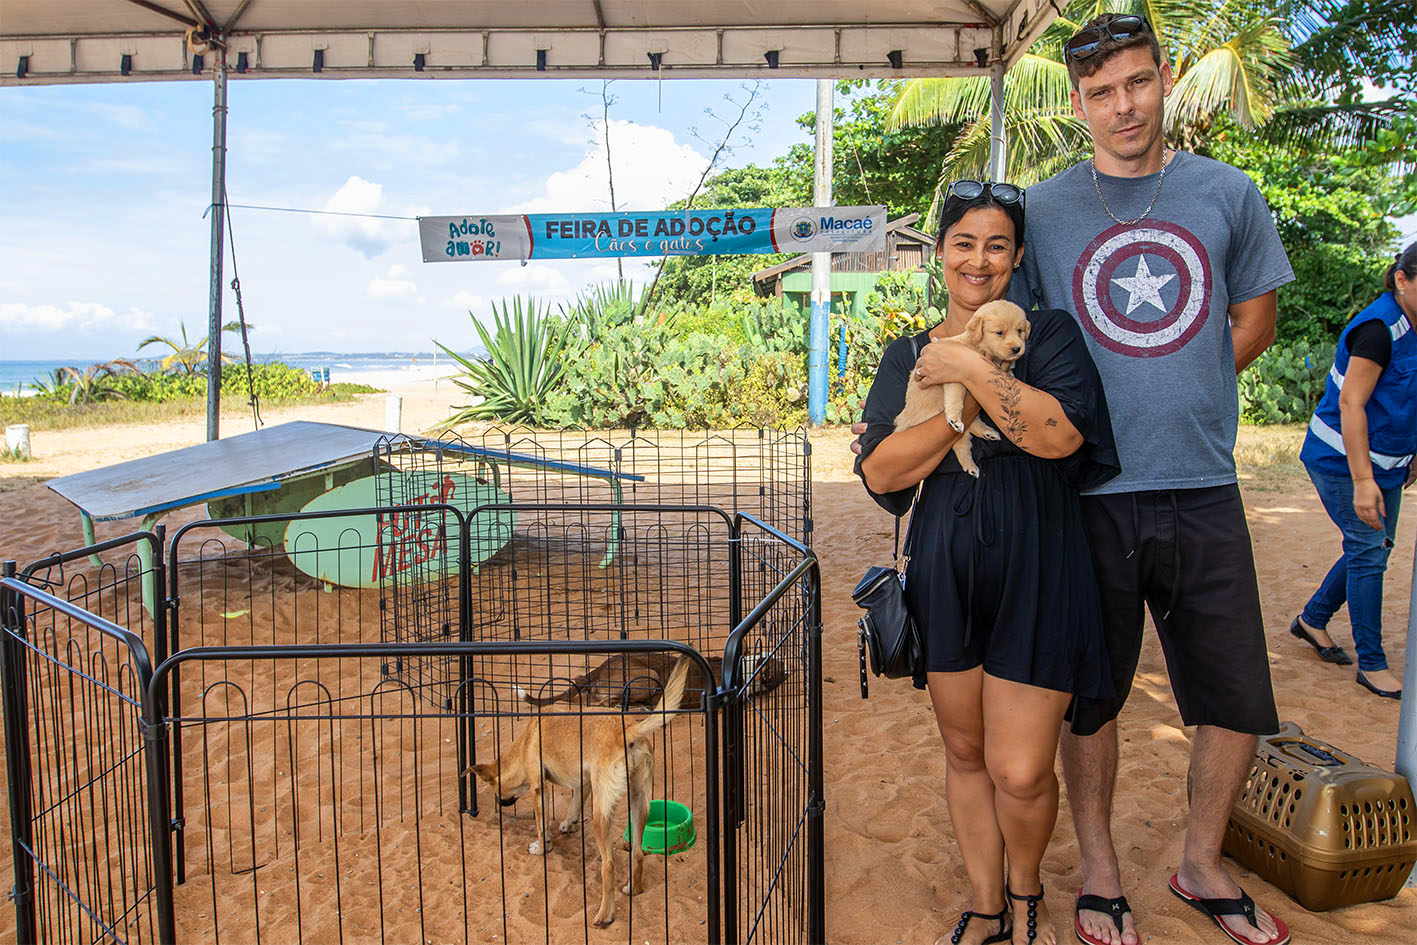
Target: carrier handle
x: 1320, y: 756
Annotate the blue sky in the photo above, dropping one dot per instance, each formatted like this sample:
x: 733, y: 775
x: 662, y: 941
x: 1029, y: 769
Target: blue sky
x: 103, y: 241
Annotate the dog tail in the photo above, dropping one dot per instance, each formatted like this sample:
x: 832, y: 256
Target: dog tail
x: 673, y: 695
x: 566, y: 695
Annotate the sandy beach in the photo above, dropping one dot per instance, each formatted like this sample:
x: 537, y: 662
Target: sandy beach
x: 893, y: 874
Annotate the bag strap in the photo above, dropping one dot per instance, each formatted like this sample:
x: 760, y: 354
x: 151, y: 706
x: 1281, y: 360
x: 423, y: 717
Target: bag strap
x: 898, y: 557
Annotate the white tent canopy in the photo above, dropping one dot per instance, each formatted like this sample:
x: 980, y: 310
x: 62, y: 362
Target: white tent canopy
x: 65, y: 41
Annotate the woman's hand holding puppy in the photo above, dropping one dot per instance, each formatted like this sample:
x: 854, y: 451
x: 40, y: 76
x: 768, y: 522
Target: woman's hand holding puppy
x: 1031, y: 418
x: 946, y: 361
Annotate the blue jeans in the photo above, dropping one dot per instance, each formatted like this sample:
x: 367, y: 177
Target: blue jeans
x: 1357, y: 577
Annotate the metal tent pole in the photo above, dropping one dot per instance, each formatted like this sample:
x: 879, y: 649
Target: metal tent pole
x: 1406, y: 764
x: 218, y: 208
x: 821, y: 262
x: 998, y: 149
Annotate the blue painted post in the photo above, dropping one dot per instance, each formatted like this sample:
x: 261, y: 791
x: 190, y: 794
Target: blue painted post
x: 821, y: 264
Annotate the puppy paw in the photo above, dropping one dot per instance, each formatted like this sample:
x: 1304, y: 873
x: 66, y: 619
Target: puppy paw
x: 985, y: 432
x: 605, y: 922
x: 567, y: 826
x: 537, y: 848
x: 973, y: 471
x: 957, y: 425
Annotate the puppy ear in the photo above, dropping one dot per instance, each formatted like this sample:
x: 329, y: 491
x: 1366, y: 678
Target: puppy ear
x: 1025, y: 328
x: 487, y: 772
x: 974, y: 330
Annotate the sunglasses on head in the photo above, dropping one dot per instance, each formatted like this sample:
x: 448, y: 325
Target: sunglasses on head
x: 1086, y: 42
x: 970, y: 189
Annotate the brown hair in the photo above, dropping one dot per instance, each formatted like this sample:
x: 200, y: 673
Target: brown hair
x: 1405, y: 261
x: 1109, y: 47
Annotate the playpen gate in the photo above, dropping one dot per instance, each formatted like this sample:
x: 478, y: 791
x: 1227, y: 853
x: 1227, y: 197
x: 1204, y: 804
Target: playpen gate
x: 364, y: 782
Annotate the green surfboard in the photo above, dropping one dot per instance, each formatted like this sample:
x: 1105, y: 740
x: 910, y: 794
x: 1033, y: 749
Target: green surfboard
x: 375, y: 550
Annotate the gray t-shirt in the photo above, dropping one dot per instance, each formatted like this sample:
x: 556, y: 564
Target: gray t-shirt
x: 1153, y: 299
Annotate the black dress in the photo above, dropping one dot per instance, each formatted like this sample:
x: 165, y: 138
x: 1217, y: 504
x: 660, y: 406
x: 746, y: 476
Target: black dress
x: 1000, y: 573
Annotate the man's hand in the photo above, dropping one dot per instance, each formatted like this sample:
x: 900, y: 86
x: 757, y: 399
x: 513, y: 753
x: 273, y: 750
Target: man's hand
x: 1411, y: 470
x: 859, y: 427
x: 1368, y: 503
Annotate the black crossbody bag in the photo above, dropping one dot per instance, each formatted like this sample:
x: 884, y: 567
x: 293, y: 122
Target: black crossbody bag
x: 887, y: 631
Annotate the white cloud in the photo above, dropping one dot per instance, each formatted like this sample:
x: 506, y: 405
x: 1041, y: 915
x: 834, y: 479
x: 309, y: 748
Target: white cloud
x: 537, y: 278
x: 465, y: 300
x: 257, y: 145
x: 652, y: 170
x: 127, y: 117
x: 75, y: 316
x: 392, y: 286
x: 423, y: 111
x: 369, y: 236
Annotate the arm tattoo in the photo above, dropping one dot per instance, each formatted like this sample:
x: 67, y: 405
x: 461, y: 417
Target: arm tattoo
x: 1051, y: 422
x: 1010, y: 400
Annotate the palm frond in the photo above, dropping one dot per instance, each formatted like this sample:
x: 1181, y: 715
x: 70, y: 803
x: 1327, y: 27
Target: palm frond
x: 1240, y: 75
x: 939, y: 101
x: 1324, y: 128
x: 1337, y: 36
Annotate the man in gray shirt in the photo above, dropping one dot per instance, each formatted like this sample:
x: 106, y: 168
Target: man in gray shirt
x: 1170, y: 262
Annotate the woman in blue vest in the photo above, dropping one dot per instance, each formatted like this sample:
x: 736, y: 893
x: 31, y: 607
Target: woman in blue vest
x: 1359, y: 452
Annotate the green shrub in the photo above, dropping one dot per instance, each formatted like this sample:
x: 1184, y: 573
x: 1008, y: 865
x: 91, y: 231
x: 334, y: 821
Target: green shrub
x: 721, y: 318
x: 273, y: 382
x: 775, y: 325
x: 1284, y: 384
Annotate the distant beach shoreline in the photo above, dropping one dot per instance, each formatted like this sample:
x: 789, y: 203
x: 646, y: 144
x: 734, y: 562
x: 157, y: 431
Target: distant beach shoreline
x: 377, y: 369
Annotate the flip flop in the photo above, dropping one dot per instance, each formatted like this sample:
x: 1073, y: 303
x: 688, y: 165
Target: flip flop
x: 1116, y: 908
x: 1217, y: 908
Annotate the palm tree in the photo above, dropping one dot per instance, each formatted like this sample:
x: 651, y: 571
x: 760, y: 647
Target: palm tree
x: 1340, y: 44
x: 188, y: 356
x: 1226, y: 56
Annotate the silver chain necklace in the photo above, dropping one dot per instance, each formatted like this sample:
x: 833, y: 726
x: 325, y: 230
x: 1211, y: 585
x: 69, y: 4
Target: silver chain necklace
x: 1160, y: 177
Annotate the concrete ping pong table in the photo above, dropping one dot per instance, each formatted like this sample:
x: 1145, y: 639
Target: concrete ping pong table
x: 276, y: 470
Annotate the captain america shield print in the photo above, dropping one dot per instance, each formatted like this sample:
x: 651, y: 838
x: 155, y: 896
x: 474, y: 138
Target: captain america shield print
x: 1143, y: 290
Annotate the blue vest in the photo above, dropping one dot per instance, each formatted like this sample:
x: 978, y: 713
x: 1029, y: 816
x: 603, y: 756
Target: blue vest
x: 1392, y: 410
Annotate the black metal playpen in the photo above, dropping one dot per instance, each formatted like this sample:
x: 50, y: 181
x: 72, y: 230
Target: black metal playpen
x: 269, y: 727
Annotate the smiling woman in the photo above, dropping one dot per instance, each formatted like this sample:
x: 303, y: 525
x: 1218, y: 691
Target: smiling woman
x: 980, y: 560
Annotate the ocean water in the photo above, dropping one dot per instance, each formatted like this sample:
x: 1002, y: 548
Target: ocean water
x: 378, y: 368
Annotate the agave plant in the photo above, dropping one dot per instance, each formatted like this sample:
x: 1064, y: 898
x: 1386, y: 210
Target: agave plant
x: 603, y: 307
x: 1226, y: 56
x: 525, y: 356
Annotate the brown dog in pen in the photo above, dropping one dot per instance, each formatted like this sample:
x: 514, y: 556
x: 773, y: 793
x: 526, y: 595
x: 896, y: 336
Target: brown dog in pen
x: 998, y: 331
x: 638, y: 678
x: 605, y: 754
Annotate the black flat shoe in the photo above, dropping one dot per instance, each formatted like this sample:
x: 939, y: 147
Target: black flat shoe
x: 1385, y: 693
x: 1329, y: 654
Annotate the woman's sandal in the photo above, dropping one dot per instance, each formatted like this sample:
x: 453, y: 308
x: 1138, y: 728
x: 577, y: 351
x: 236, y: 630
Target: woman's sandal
x: 1033, y: 902
x: 1112, y: 908
x: 1003, y: 935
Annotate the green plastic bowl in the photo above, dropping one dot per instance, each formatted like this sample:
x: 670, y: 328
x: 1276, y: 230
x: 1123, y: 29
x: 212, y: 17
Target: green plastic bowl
x: 669, y: 829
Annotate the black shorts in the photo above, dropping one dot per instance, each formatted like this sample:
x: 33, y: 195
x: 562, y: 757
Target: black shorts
x: 1186, y: 555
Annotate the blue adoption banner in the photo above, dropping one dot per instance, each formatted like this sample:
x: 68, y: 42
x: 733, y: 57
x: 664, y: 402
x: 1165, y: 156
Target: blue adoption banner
x: 474, y: 238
